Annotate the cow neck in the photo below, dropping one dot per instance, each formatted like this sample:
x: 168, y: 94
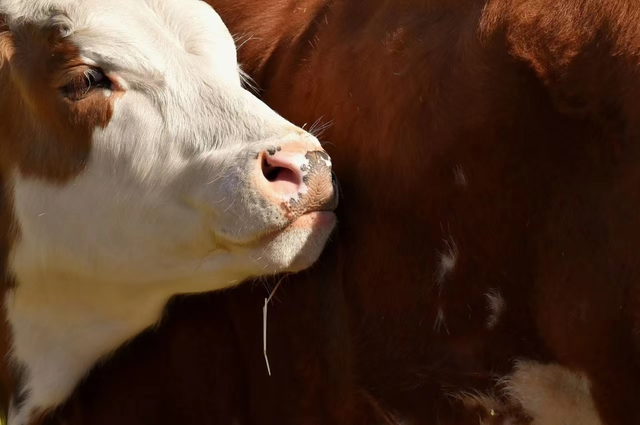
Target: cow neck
x: 63, y: 324
x: 61, y: 327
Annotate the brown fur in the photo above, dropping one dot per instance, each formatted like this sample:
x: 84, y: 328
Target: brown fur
x: 536, y: 103
x: 42, y: 132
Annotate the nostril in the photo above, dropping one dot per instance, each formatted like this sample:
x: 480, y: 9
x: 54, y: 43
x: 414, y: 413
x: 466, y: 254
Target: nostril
x: 284, y: 180
x: 270, y: 173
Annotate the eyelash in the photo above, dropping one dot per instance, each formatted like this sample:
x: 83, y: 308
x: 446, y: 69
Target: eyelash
x: 80, y: 86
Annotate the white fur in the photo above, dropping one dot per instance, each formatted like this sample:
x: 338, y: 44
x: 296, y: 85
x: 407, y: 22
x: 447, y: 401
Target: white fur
x: 552, y: 395
x: 447, y: 265
x: 167, y: 203
x: 460, y: 177
x: 495, y: 306
x: 440, y: 322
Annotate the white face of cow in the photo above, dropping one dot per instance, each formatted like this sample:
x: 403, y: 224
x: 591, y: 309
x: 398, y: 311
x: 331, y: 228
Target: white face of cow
x: 137, y: 167
x: 189, y: 175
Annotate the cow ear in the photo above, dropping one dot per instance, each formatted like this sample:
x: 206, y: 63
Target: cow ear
x: 6, y: 43
x: 569, y: 45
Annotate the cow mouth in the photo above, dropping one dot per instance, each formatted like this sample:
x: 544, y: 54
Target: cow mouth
x: 312, y: 217
x: 311, y: 220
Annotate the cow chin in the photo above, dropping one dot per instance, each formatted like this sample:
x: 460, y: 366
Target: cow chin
x: 297, y: 246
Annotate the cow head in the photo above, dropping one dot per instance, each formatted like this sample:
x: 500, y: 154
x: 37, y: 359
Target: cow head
x: 136, y: 167
x: 133, y: 152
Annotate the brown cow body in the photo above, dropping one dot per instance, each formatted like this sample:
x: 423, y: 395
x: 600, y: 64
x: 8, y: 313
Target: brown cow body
x: 486, y: 266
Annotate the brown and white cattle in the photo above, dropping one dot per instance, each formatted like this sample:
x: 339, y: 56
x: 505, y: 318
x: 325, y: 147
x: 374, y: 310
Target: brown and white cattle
x: 486, y: 266
x: 134, y: 167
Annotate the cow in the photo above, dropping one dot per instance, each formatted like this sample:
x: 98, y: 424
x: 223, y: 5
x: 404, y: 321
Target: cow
x: 135, y: 166
x: 485, y: 266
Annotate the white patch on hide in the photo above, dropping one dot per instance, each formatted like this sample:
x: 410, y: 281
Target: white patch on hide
x: 460, y: 177
x: 552, y: 395
x: 495, y: 305
x: 448, y: 259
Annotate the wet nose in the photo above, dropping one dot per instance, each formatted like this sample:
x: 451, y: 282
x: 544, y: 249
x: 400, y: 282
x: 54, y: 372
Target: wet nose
x: 298, y: 177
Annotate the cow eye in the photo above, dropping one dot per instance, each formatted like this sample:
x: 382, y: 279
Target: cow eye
x: 83, y: 83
